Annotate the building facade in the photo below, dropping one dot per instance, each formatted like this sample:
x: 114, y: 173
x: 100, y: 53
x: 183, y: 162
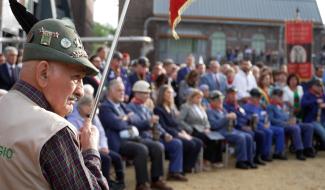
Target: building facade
x: 211, y: 28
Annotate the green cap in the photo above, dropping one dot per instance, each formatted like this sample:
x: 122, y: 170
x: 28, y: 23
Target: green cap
x: 57, y: 40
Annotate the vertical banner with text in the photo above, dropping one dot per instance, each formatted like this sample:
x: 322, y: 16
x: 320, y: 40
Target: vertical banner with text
x: 299, y: 38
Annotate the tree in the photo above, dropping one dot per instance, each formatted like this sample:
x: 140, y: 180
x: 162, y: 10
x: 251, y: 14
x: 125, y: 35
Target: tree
x: 100, y: 30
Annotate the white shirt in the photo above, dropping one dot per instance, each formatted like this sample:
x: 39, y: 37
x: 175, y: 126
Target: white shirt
x: 288, y: 94
x: 244, y: 83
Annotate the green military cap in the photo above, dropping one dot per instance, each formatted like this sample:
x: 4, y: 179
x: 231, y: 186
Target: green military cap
x: 57, y: 40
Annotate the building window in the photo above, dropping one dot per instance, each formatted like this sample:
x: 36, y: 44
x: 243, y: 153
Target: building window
x: 179, y: 49
x: 218, y: 44
x: 258, y: 43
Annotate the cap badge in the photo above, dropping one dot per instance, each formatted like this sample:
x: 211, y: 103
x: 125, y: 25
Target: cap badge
x: 79, y: 53
x: 47, y: 36
x: 78, y: 43
x: 66, y: 43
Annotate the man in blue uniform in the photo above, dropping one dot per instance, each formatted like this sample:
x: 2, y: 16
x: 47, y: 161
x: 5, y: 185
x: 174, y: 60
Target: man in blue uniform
x: 253, y: 107
x: 222, y: 121
x: 312, y: 106
x: 280, y: 118
x: 243, y: 123
x: 149, y: 128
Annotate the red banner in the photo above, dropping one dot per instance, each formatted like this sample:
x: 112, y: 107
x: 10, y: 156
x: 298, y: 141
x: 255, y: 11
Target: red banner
x: 176, y: 8
x: 299, y: 38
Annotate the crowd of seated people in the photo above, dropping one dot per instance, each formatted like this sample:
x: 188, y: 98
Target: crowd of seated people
x: 153, y: 112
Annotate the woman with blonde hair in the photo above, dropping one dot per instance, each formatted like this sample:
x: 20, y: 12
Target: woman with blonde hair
x: 194, y: 120
x: 168, y: 119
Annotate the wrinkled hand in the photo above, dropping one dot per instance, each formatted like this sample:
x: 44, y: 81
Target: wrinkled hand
x: 154, y: 119
x: 184, y: 135
x: 246, y: 128
x: 292, y: 121
x: 267, y: 126
x: 104, y: 150
x: 207, y: 130
x: 319, y: 100
x: 168, y: 137
x: 231, y: 116
x: 89, y: 136
x: 322, y: 105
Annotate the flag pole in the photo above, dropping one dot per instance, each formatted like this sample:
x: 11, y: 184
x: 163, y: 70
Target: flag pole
x: 109, y: 58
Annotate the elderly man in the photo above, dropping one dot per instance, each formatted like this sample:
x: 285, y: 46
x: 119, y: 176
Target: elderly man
x: 312, y: 106
x: 149, y: 127
x: 214, y: 79
x: 39, y: 148
x: 244, y: 123
x: 263, y: 124
x: 223, y: 122
x: 9, y: 71
x: 124, y: 138
x: 301, y: 134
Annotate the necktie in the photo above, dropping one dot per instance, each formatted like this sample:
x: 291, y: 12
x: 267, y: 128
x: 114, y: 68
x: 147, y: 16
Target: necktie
x: 120, y: 110
x: 13, y: 74
x: 217, y: 82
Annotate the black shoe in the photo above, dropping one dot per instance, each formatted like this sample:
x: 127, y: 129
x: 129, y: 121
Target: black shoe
x: 242, y: 165
x: 300, y: 155
x: 113, y: 185
x: 258, y: 161
x: 251, y: 165
x: 266, y: 159
x: 309, y: 153
x: 280, y: 157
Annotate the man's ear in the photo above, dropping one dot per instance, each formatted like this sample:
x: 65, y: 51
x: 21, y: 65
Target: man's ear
x: 42, y: 73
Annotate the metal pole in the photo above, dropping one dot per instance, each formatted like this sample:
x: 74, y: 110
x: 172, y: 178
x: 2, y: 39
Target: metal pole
x: 108, y: 60
x: 1, y: 21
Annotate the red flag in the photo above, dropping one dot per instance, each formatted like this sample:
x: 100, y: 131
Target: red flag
x: 176, y: 8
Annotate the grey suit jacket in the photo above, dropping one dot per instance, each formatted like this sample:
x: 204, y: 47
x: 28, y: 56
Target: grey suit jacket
x: 189, y: 119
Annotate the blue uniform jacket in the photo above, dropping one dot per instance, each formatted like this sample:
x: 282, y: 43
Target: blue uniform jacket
x: 242, y: 118
x: 133, y: 78
x: 251, y: 109
x: 113, y: 124
x: 142, y: 120
x: 277, y: 116
x: 182, y: 74
x: 309, y: 107
x: 218, y: 119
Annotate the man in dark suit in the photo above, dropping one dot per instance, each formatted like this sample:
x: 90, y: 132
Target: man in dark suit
x: 118, y: 122
x: 9, y: 71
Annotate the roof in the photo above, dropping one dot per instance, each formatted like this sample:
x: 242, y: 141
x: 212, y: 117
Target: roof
x: 277, y: 10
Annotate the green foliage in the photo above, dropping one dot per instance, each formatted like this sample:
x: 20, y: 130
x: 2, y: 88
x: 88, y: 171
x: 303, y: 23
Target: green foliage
x: 102, y: 30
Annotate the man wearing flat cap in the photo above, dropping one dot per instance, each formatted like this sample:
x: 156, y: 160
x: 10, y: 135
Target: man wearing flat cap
x: 245, y: 123
x: 253, y: 106
x: 300, y: 133
x: 220, y: 120
x: 39, y: 149
x: 141, y: 71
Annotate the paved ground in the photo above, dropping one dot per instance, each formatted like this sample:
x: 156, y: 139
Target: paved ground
x: 278, y: 175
